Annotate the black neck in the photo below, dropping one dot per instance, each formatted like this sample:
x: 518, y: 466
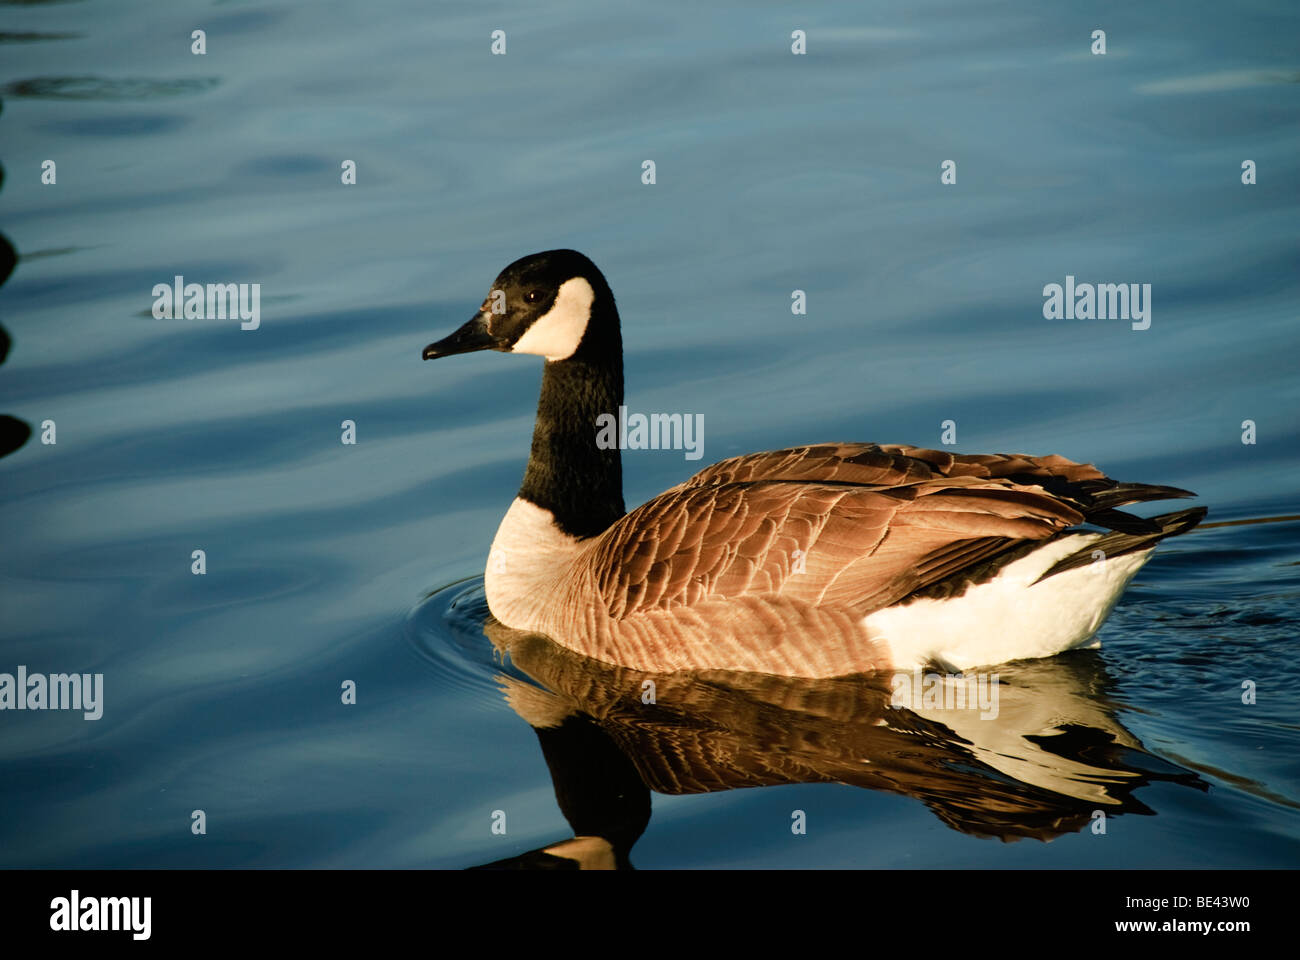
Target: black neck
x: 568, y: 474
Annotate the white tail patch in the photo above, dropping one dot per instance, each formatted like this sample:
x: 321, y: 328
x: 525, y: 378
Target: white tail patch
x: 1011, y: 617
x: 557, y: 333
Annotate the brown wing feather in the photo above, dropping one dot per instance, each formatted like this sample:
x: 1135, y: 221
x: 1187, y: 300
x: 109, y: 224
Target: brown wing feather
x: 866, y: 524
x: 862, y: 547
x: 890, y: 465
x: 1082, y: 485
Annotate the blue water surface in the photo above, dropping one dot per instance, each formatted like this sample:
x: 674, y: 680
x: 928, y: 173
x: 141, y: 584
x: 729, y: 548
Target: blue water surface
x: 329, y: 563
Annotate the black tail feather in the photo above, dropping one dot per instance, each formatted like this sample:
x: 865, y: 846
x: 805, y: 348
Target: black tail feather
x: 1122, y: 493
x: 1121, y: 541
x: 1122, y: 522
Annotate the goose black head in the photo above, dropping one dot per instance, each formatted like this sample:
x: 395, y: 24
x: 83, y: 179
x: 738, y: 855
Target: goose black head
x: 555, y: 304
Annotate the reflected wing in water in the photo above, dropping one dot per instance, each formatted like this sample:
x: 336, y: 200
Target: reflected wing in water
x: 1039, y: 765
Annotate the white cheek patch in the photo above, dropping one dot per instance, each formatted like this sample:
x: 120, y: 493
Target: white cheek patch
x: 557, y: 333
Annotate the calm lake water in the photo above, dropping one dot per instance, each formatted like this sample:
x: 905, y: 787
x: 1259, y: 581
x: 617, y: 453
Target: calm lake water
x: 329, y: 563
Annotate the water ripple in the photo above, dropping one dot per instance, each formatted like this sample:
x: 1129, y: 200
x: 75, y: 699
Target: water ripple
x: 106, y: 88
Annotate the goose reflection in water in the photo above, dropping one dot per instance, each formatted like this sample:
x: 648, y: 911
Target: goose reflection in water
x: 1053, y: 755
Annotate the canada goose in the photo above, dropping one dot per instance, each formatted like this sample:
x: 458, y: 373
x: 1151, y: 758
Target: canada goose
x: 814, y: 561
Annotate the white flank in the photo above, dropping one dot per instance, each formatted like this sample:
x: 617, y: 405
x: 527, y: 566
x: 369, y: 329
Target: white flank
x: 557, y: 333
x: 1007, y: 618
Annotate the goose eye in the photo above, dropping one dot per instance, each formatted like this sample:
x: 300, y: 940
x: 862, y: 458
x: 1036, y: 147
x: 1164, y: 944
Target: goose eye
x: 532, y: 296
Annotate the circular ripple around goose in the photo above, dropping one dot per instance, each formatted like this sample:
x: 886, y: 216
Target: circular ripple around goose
x: 446, y: 630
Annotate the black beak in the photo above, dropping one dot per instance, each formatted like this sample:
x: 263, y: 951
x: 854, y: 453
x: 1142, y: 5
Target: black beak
x: 472, y: 336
